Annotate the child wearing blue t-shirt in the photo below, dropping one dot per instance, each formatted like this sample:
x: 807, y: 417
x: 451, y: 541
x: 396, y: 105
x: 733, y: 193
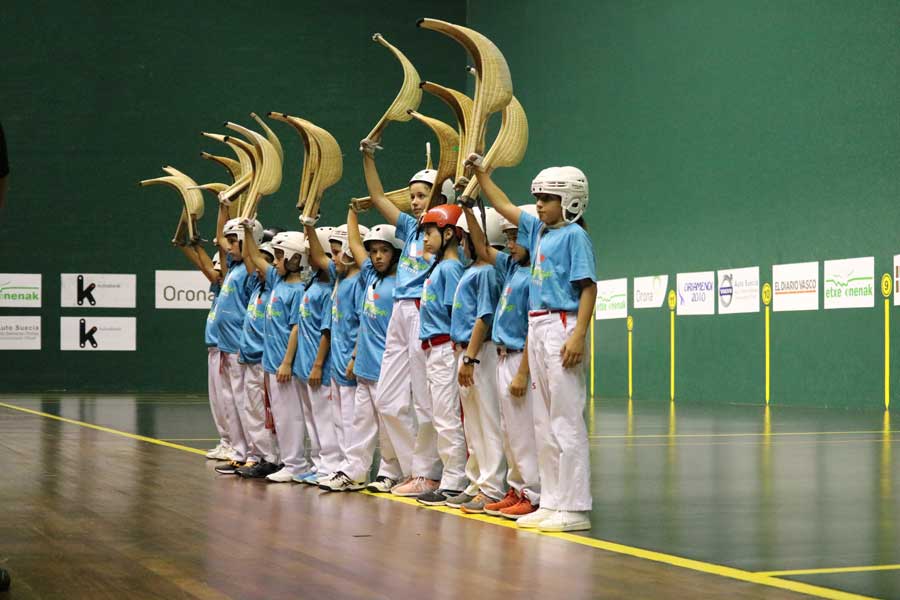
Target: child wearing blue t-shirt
x: 441, y: 238
x: 406, y: 410
x: 561, y: 300
x: 280, y: 347
x: 313, y: 367
x: 377, y: 255
x: 508, y: 332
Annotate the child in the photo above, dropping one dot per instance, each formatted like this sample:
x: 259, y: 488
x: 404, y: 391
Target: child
x: 343, y: 322
x: 313, y: 367
x: 473, y: 308
x: 377, y: 255
x: 399, y: 392
x: 561, y: 302
x: 263, y: 447
x: 508, y: 332
x: 440, y: 239
x: 280, y: 346
x: 230, y: 311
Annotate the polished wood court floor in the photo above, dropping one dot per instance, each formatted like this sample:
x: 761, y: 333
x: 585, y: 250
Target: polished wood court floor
x: 690, y: 501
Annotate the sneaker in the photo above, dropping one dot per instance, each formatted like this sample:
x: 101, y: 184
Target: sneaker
x: 565, y: 520
x: 311, y: 479
x: 459, y: 499
x: 522, y: 508
x: 534, y: 520
x: 476, y: 505
x: 220, y: 452
x: 259, y: 470
x: 381, y: 485
x: 415, y: 487
x: 341, y: 482
x: 436, y: 497
x: 282, y: 475
x: 229, y: 468
x: 510, y: 499
x: 302, y: 477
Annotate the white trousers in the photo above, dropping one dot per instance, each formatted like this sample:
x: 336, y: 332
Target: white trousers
x: 559, y: 428
x: 363, y: 434
x: 260, y: 441
x: 486, y: 465
x: 343, y: 402
x: 213, y: 384
x: 517, y: 423
x: 324, y: 450
x: 231, y: 395
x: 443, y: 392
x: 290, y: 426
x: 401, y: 398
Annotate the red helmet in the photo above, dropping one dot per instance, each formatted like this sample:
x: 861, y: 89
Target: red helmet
x: 445, y: 215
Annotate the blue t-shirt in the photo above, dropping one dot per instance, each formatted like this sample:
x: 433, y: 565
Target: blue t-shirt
x: 282, y: 313
x: 559, y: 257
x: 255, y: 322
x: 313, y: 310
x: 210, y: 334
x: 346, y: 302
x: 232, y: 307
x: 437, y: 298
x: 373, y: 323
x: 475, y: 298
x: 511, y: 319
x: 412, y: 266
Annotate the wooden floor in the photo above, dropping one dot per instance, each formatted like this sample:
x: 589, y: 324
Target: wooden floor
x: 91, y: 513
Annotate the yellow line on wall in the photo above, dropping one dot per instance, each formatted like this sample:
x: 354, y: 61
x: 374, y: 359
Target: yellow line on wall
x: 828, y: 571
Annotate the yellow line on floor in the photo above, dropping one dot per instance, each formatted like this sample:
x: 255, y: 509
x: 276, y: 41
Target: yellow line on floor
x: 748, y: 444
x: 715, y: 435
x: 832, y: 570
x: 141, y: 438
x: 669, y: 559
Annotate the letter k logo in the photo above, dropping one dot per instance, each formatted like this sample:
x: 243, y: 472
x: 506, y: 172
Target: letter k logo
x: 85, y: 293
x: 85, y: 335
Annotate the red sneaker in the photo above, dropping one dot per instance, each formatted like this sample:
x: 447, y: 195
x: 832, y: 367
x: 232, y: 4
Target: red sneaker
x: 510, y: 499
x: 524, y: 507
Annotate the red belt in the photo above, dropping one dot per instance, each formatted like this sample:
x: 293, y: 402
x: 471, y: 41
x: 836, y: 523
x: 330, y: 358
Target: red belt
x: 435, y: 341
x: 418, y: 302
x: 563, y: 314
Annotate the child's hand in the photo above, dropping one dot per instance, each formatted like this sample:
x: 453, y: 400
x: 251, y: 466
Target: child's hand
x: 475, y: 161
x: 466, y: 375
x: 518, y: 385
x: 283, y: 374
x: 315, y: 377
x: 367, y: 146
x: 349, y: 374
x: 572, y: 351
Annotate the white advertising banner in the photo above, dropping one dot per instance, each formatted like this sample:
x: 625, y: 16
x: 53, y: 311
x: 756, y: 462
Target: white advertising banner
x: 738, y: 290
x: 20, y: 333
x: 696, y: 293
x: 182, y: 289
x: 849, y: 283
x: 20, y: 290
x: 99, y: 290
x: 612, y: 299
x: 897, y: 280
x: 97, y: 333
x: 650, y: 292
x: 795, y: 287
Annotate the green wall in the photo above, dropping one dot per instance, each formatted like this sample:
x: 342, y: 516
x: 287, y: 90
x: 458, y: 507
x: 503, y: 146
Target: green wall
x: 720, y: 135
x: 95, y: 97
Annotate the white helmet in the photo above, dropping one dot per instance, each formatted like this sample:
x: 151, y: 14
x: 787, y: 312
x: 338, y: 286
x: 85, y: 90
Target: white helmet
x: 570, y: 184
x: 531, y: 209
x: 428, y: 176
x: 493, y: 233
x: 324, y: 235
x: 340, y: 235
x: 267, y: 248
x: 234, y: 227
x: 383, y: 233
x: 216, y: 263
x: 292, y: 243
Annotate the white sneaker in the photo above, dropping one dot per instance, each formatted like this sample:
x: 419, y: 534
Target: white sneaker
x: 282, y: 476
x: 534, y: 520
x: 565, y: 520
x: 341, y: 482
x: 382, y: 484
x: 220, y: 452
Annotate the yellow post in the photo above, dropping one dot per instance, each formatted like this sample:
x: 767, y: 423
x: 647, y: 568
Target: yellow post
x: 593, y: 321
x: 629, y: 324
x: 887, y: 285
x: 672, y: 301
x: 767, y: 298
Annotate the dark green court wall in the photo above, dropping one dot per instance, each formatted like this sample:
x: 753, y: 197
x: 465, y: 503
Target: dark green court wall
x: 95, y: 96
x: 719, y: 135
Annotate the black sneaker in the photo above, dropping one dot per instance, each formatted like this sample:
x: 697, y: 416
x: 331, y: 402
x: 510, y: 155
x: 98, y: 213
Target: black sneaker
x: 259, y: 470
x: 436, y: 497
x: 229, y: 468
